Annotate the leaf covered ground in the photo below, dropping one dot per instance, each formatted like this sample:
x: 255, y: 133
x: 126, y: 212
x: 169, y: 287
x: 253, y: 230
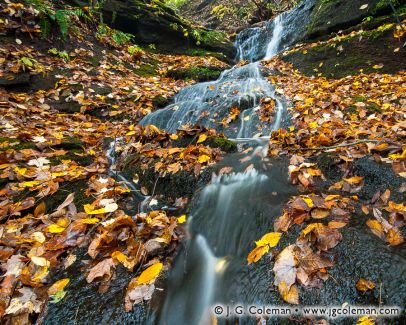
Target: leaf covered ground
x: 62, y: 102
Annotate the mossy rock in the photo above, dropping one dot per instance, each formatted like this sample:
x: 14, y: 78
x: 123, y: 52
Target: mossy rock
x: 78, y: 187
x: 333, y: 15
x: 156, y: 23
x: 222, y: 143
x: 146, y: 70
x: 16, y: 144
x: 160, y: 101
x: 352, y: 56
x: 196, y: 73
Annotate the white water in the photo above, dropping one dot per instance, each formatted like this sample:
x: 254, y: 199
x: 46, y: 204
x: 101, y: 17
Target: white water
x: 226, y: 207
x: 243, y: 87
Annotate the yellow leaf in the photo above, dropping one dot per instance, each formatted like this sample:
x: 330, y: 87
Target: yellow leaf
x: 174, y: 137
x: 150, y: 274
x: 376, y: 227
x: 311, y: 227
x: 308, y: 201
x: 256, y: 254
x: 365, y: 320
x: 271, y: 239
x: 20, y: 171
x: 123, y: 259
x: 30, y: 184
x: 202, y: 138
x: 394, y: 237
x: 40, y: 274
x: 398, y: 155
x: 182, y: 219
x: 90, y: 221
x: 331, y: 197
x: 58, y: 286
x: 354, y: 180
x: 313, y: 125
x: 290, y: 295
x: 130, y: 133
x: 55, y: 229
x: 203, y: 158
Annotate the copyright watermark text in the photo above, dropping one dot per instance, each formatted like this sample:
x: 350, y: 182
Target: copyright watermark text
x: 287, y: 311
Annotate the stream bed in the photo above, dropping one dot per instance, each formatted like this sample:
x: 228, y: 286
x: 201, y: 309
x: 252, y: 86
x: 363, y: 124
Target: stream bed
x: 232, y: 211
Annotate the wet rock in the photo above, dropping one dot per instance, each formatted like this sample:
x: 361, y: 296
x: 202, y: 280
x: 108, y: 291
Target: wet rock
x: 334, y: 15
x: 65, y: 105
x: 160, y: 101
x: 18, y: 79
x: 153, y: 247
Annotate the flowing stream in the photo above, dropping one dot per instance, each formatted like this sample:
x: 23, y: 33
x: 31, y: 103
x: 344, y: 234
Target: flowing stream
x: 232, y: 210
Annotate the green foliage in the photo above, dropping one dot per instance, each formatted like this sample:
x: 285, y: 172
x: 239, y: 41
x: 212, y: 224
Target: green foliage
x: 219, y: 11
x: 64, y: 19
x: 113, y: 37
x: 61, y: 54
x: 134, y: 49
x: 26, y: 64
x: 175, y: 4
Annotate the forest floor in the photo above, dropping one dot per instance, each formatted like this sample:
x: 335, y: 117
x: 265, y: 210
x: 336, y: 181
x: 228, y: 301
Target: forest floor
x: 63, y: 102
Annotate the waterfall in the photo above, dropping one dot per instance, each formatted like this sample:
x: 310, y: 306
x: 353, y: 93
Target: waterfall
x: 231, y: 211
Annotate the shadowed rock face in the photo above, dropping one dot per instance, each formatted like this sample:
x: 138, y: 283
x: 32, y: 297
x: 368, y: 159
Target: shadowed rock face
x: 331, y: 16
x: 159, y: 25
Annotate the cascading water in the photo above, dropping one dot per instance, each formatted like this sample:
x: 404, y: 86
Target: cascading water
x: 229, y: 212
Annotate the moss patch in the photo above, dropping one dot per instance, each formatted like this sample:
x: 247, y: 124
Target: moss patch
x: 195, y: 73
x: 352, y: 56
x: 78, y: 187
x: 222, y: 143
x: 146, y: 70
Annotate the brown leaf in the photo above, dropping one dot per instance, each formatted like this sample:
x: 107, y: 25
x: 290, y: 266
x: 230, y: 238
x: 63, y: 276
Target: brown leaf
x: 319, y: 213
x: 364, y: 285
x: 102, y: 270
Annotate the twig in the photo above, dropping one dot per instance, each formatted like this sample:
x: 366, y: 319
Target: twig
x: 340, y: 145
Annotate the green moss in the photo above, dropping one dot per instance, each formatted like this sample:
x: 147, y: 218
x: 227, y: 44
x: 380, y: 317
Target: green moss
x: 16, y: 144
x: 146, y: 70
x: 373, y: 108
x: 196, y: 73
x: 74, y: 155
x: 78, y: 187
x: 352, y: 109
x: 160, y: 101
x: 222, y: 143
x: 69, y: 143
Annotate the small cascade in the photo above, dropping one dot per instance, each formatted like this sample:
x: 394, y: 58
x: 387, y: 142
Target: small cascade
x: 113, y: 172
